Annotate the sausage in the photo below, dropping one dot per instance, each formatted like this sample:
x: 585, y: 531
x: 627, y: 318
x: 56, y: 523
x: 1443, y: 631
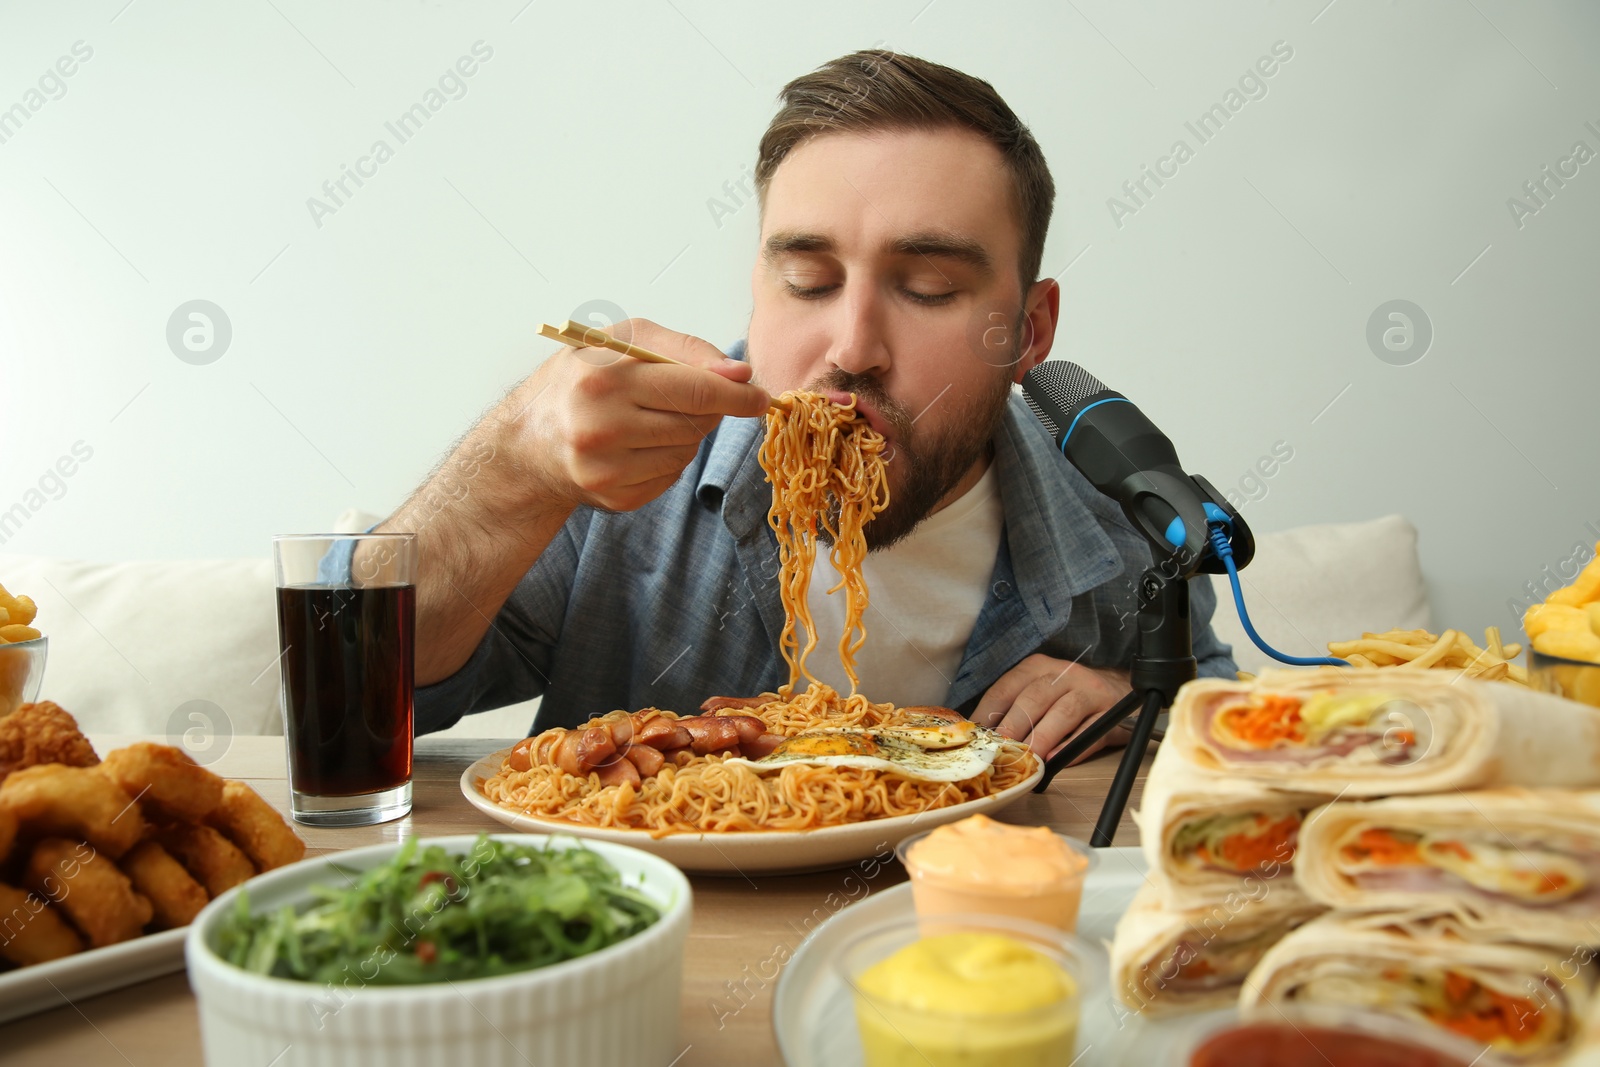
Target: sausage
x: 566, y: 754
x: 662, y: 733
x: 723, y: 703
x: 762, y: 746
x: 748, y: 726
x: 616, y: 771
x: 710, y: 733
x: 621, y: 727
x: 648, y: 760
x: 519, y: 760
x: 594, y: 748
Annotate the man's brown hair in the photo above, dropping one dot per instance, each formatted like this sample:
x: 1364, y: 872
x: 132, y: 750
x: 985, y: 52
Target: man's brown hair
x: 875, y: 89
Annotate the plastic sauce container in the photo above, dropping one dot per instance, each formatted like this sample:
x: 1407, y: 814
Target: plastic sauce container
x: 984, y: 991
x: 982, y: 866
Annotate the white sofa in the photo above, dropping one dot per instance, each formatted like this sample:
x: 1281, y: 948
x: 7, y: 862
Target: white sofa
x: 169, y: 647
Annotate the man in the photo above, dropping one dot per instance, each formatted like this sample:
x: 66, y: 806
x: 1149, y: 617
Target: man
x: 608, y: 547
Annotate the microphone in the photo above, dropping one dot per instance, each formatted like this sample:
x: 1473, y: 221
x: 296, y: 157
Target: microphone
x: 1123, y: 455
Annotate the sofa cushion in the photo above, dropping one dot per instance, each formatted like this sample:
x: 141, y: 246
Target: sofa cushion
x: 134, y: 646
x: 1313, y: 584
x: 183, y: 648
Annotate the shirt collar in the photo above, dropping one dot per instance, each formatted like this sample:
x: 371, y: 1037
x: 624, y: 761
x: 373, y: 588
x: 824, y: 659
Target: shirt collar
x: 1059, y: 547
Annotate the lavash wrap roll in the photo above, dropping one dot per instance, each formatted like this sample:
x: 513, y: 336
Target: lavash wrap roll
x: 1471, y: 735
x: 1154, y: 945
x: 1176, y: 794
x: 1552, y: 834
x: 1377, y: 962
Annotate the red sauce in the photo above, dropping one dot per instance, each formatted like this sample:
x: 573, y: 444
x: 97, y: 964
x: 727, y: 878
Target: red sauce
x: 1277, y: 1045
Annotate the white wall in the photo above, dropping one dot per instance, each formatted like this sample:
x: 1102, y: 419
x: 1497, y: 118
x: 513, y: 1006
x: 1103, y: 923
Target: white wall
x: 1232, y: 305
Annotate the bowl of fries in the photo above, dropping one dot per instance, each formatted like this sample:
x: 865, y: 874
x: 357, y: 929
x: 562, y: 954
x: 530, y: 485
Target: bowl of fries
x: 22, y: 652
x: 1574, y: 679
x: 1564, y: 632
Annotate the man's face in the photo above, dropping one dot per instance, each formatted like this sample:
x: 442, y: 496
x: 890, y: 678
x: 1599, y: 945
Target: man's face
x: 888, y: 269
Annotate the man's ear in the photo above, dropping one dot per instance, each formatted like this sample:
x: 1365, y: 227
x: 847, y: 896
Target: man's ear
x: 1040, y: 313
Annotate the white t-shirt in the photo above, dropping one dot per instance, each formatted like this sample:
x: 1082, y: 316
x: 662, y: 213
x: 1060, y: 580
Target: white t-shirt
x: 925, y: 594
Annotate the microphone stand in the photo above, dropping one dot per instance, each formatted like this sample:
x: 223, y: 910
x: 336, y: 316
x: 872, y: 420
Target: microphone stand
x: 1163, y: 660
x: 1163, y: 657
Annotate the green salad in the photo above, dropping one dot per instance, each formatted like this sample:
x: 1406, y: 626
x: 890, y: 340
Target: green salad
x: 429, y: 916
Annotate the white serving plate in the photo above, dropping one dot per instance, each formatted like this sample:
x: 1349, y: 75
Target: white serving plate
x: 814, y: 1018
x: 764, y: 852
x: 98, y: 970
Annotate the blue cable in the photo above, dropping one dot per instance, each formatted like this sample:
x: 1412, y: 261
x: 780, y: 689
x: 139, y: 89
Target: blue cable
x: 1218, y: 532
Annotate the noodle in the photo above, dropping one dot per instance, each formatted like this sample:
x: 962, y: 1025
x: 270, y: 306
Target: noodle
x: 825, y: 463
x: 826, y: 466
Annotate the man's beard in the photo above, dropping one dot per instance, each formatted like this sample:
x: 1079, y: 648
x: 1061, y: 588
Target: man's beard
x: 930, y: 465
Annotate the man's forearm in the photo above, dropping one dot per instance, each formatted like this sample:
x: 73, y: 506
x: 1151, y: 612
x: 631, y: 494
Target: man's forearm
x: 478, y: 531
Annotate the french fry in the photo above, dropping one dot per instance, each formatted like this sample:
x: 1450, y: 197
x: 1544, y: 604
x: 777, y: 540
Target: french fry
x: 18, y: 632
x: 1447, y: 640
x: 1493, y: 672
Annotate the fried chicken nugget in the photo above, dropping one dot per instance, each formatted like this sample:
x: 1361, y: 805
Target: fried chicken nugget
x: 42, y: 733
x: 256, y: 827
x: 165, y: 781
x: 31, y: 931
x: 89, y: 889
x: 8, y: 832
x: 78, y: 802
x: 213, y: 860
x: 176, y: 897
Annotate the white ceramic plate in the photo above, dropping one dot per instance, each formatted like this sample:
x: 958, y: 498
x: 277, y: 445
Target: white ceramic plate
x: 765, y: 852
x: 815, y: 1022
x: 60, y: 982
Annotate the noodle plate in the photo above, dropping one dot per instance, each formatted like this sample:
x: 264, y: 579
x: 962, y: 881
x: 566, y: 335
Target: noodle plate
x: 828, y: 475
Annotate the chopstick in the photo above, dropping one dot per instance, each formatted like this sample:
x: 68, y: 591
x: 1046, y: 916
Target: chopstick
x: 577, y: 335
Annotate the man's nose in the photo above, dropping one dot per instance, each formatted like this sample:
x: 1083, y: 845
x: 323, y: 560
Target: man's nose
x: 859, y: 345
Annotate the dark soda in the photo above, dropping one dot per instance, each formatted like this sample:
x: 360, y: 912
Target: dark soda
x: 347, y: 686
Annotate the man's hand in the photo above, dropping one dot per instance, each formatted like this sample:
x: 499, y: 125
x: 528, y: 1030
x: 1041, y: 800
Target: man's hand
x: 592, y: 426
x: 1047, y: 701
x: 589, y: 427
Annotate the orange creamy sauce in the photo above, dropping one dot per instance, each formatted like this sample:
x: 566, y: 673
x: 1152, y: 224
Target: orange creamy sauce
x: 984, y: 854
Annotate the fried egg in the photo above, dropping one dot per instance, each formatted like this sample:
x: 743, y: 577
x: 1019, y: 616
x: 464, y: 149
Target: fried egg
x: 929, y: 750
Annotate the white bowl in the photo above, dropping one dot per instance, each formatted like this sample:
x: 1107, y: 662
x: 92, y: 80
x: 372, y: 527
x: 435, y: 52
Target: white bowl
x: 616, y: 1006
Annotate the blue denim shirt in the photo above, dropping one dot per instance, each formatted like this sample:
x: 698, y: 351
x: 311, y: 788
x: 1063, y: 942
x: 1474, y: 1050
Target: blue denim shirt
x: 678, y: 601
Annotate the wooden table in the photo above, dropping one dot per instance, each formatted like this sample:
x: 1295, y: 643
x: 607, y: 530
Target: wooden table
x: 742, y: 928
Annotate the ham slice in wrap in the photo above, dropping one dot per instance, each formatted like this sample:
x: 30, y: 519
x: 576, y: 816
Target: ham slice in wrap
x: 1519, y: 864
x: 1525, y: 1002
x: 1166, y: 961
x: 1362, y: 733
x: 1206, y: 835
